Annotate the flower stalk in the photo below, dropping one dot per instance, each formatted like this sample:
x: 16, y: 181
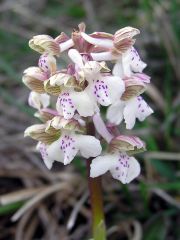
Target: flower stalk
x: 96, y: 198
x: 98, y: 219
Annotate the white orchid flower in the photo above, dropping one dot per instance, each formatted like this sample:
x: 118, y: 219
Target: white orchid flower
x: 128, y: 64
x: 129, y: 111
x: 122, y: 167
x: 110, y: 47
x: 67, y: 147
x: 61, y: 140
x: 101, y: 89
x: 119, y: 48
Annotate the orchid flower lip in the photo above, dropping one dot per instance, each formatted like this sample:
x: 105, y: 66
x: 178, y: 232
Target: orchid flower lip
x: 67, y: 146
x: 121, y: 166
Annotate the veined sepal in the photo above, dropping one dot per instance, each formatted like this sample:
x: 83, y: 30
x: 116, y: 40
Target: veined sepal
x: 66, y: 80
x: 61, y: 38
x: 133, y: 88
x: 53, y: 90
x: 43, y: 133
x: 129, y: 144
x: 72, y: 124
x: 45, y: 114
x: 123, y: 40
x: 33, y: 78
x: 44, y: 44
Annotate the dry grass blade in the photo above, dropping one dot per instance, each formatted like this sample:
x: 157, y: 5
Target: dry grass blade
x: 138, y: 233
x: 91, y: 16
x: 43, y: 194
x: 168, y: 37
x: 166, y: 197
x: 19, y: 195
x: 76, y: 210
x: 31, y: 228
x: 163, y: 156
x: 155, y: 94
x: 22, y: 224
x: 52, y: 231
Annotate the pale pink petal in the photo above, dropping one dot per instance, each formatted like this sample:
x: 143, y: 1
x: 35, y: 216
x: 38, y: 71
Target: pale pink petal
x: 103, y: 56
x: 118, y: 68
x: 143, y: 77
x: 102, y: 164
x: 101, y: 127
x: 83, y: 103
x: 137, y: 65
x: 126, y: 169
x: 76, y: 57
x: 107, y: 43
x: 47, y: 63
x: 101, y: 92
x: 38, y: 101
x: 116, y: 87
x: 144, y: 109
x: 43, y: 150
x: 66, y: 45
x: 69, y: 147
x: 69, y: 102
x: 65, y: 105
x: 115, y: 112
x: 63, y: 150
x: 130, y: 113
x: 88, y: 146
x: 136, y: 108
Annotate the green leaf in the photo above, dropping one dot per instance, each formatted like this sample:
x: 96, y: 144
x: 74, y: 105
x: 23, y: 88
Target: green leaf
x: 9, y: 208
x: 166, y: 186
x: 156, y: 230
x: 76, y: 11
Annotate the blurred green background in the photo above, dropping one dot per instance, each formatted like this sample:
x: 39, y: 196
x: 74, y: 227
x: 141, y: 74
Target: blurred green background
x: 147, y: 209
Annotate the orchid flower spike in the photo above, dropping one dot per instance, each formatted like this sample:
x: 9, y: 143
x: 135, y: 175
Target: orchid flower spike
x: 69, y: 101
x: 129, y: 110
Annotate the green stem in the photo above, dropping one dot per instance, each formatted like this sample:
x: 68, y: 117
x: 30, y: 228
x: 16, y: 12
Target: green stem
x: 98, y: 221
x: 95, y: 190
